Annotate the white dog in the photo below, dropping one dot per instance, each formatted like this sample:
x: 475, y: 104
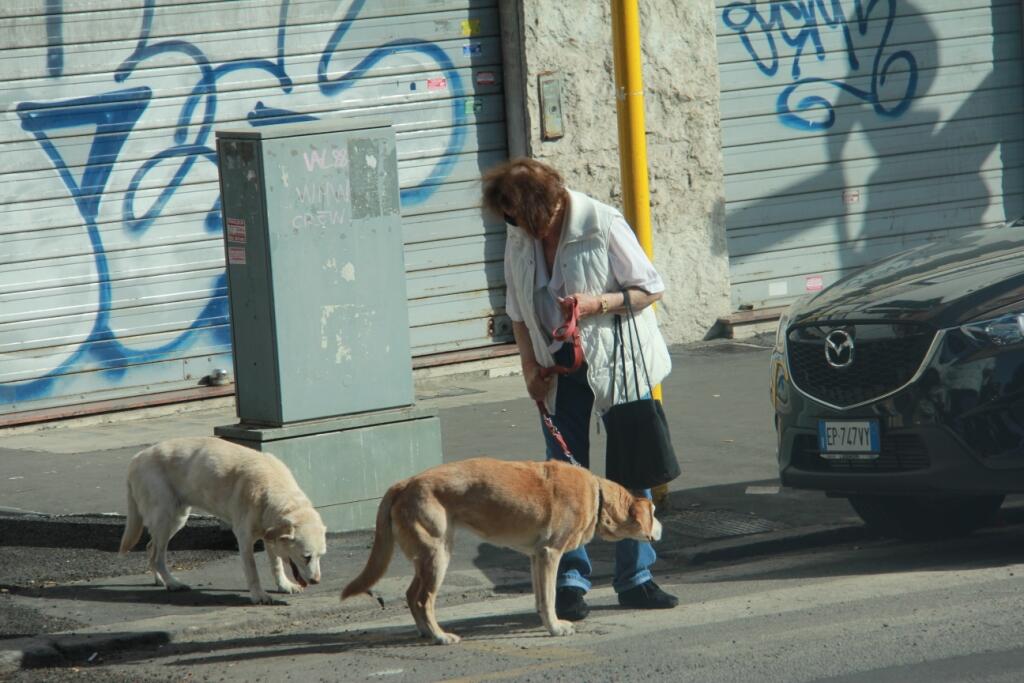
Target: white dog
x: 254, y: 492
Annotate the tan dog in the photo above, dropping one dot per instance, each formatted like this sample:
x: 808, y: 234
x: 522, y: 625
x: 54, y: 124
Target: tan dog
x: 254, y: 492
x: 539, y: 509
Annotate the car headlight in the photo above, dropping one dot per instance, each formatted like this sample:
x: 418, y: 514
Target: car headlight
x: 1005, y: 330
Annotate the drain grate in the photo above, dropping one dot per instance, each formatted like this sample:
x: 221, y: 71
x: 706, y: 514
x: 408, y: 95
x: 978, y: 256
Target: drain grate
x: 716, y: 524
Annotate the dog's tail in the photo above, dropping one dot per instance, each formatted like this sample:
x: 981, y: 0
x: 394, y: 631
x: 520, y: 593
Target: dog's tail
x: 133, y: 525
x: 380, y: 553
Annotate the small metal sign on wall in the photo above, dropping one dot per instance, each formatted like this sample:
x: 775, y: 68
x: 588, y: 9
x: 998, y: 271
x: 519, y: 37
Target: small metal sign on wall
x: 550, y: 86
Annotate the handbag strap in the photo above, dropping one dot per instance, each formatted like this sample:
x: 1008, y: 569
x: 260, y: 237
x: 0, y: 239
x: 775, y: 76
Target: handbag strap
x: 637, y: 348
x: 618, y: 349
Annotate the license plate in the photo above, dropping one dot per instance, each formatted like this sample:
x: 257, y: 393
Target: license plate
x: 848, y: 439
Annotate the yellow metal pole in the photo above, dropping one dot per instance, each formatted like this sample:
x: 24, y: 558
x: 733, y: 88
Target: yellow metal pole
x: 629, y: 107
x: 629, y: 97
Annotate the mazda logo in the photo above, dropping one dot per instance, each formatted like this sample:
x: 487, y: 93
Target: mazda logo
x: 839, y: 349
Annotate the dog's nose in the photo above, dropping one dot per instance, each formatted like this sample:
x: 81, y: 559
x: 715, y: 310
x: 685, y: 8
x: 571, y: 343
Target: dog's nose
x: 314, y: 580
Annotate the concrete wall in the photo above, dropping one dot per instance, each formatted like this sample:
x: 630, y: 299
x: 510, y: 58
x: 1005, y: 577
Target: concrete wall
x: 573, y: 38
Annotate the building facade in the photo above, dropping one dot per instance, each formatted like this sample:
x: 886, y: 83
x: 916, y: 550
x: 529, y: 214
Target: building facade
x: 112, y: 285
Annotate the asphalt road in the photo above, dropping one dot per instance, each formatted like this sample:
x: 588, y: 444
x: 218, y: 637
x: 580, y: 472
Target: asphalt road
x: 874, y: 611
x: 877, y: 611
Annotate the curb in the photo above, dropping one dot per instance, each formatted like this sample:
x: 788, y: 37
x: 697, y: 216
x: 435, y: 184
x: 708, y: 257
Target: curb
x: 59, y: 650
x: 104, y: 532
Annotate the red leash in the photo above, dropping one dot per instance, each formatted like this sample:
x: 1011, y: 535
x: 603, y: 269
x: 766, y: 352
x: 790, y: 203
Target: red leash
x: 566, y: 332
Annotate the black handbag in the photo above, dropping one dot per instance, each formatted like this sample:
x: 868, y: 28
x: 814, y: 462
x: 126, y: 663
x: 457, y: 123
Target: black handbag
x: 639, y: 451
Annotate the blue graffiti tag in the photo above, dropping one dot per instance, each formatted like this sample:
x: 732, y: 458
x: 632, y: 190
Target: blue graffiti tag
x: 799, y: 25
x: 456, y: 140
x: 115, y: 115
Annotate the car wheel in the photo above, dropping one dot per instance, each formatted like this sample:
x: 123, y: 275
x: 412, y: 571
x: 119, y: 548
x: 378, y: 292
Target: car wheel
x: 924, y: 517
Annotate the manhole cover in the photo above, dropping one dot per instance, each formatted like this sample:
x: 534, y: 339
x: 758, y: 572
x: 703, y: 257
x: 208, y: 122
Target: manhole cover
x: 716, y: 524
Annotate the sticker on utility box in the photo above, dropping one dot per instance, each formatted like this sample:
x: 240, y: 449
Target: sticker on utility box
x: 486, y: 78
x: 437, y: 84
x: 236, y: 230
x: 236, y: 256
x: 814, y: 283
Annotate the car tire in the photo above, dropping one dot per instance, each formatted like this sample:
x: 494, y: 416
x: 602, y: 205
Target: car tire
x: 926, y: 517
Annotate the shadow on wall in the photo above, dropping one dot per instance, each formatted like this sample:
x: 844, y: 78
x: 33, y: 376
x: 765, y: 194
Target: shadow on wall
x: 886, y: 104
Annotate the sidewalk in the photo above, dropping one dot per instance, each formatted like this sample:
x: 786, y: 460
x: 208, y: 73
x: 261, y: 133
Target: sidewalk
x: 62, y: 497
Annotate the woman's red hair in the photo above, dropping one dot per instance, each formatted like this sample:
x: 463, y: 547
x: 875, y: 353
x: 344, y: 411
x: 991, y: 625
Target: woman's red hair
x: 525, y: 188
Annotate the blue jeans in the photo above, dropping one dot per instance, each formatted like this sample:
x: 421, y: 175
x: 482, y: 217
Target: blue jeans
x: 574, y: 403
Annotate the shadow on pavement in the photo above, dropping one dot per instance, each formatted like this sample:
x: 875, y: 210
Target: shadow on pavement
x: 135, y: 594
x: 198, y: 653
x: 993, y: 547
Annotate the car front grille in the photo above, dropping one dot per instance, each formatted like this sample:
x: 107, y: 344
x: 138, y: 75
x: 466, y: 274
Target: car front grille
x: 898, y: 453
x: 885, y: 357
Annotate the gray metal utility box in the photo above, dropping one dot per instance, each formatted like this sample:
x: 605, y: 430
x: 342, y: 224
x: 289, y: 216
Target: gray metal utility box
x: 313, y: 240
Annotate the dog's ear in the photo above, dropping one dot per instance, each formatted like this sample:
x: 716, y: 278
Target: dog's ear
x: 641, y: 511
x: 282, y: 532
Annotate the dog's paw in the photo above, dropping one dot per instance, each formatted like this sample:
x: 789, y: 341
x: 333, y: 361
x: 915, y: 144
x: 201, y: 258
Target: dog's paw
x: 562, y: 628
x: 289, y: 587
x: 178, y: 586
x: 446, y: 639
x: 263, y: 598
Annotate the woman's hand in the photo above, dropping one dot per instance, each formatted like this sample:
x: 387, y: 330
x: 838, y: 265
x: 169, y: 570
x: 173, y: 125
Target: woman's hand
x: 589, y: 304
x: 537, y: 385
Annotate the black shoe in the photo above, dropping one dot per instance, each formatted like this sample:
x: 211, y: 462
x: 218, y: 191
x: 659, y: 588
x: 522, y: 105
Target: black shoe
x: 570, y: 605
x: 647, y: 596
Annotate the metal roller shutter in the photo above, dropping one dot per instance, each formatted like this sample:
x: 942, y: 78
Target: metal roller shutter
x: 852, y: 130
x: 112, y: 276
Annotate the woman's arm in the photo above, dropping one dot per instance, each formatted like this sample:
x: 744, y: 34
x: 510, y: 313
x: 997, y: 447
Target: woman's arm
x: 630, y: 266
x: 536, y: 385
x: 615, y: 302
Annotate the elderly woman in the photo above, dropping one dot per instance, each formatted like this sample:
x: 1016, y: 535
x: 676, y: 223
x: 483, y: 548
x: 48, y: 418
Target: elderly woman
x: 563, y: 244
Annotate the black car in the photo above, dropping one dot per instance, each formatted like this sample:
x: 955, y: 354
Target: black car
x: 901, y: 387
